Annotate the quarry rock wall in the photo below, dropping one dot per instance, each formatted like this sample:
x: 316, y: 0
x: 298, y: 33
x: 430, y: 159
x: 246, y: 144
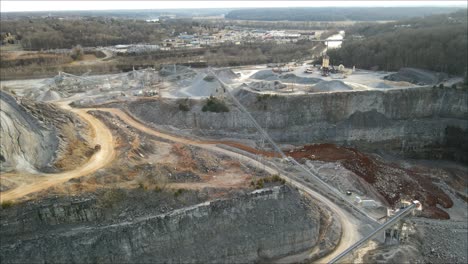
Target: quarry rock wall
x: 261, y: 225
x: 418, y: 122
x: 26, y: 142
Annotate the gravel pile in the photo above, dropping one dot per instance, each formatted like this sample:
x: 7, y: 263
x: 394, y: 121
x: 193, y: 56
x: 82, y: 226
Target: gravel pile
x: 226, y: 75
x: 202, y: 85
x: 443, y: 241
x: 268, y: 75
x: 267, y: 85
x: 382, y: 85
x: 417, y: 76
x: 48, y: 95
x: 292, y: 78
x: 328, y: 86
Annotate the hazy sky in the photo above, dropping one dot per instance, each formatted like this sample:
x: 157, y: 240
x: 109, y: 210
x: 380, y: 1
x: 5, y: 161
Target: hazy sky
x: 11, y: 6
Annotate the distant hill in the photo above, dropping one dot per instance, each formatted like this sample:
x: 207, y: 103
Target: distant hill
x: 123, y: 14
x: 336, y: 14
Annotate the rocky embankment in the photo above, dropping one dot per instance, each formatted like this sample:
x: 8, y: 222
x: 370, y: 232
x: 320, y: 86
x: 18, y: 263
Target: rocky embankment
x: 426, y: 241
x: 415, y: 122
x: 26, y: 142
x: 34, y: 134
x: 259, y: 226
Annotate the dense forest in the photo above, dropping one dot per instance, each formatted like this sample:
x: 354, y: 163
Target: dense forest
x: 437, y: 43
x: 36, y: 34
x: 336, y: 14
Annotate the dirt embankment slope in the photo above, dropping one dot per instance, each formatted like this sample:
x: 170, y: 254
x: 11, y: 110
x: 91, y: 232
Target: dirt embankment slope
x: 390, y: 180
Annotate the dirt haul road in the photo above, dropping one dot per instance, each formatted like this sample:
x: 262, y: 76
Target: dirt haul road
x: 348, y: 222
x: 102, y: 136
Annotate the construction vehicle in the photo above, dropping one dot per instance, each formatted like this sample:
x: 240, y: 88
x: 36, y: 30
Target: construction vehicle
x: 325, y: 65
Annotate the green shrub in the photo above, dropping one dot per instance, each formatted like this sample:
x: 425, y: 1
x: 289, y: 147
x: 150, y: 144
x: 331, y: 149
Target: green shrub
x: 209, y: 78
x: 271, y: 179
x: 261, y: 97
x: 259, y: 184
x: 7, y: 204
x: 77, y: 53
x: 214, y: 104
x: 276, y: 178
x: 112, y: 197
x: 178, y: 192
x: 184, y: 107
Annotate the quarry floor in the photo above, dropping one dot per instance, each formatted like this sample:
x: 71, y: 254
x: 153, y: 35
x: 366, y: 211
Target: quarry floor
x: 239, y: 170
x: 43, y: 184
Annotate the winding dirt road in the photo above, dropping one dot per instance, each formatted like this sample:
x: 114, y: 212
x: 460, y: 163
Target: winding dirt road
x: 349, y: 235
x: 102, y: 136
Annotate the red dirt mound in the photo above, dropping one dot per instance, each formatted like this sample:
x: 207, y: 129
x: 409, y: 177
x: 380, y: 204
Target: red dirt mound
x: 390, y: 180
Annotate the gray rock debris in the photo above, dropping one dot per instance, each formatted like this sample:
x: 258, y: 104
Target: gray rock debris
x: 27, y: 143
x: 259, y: 226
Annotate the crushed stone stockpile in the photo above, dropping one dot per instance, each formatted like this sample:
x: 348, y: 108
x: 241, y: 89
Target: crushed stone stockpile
x: 267, y: 85
x: 382, y: 85
x: 183, y: 75
x: 168, y: 70
x: 48, y: 95
x: 268, y: 75
x: 292, y: 78
x: 226, y: 75
x: 417, y: 76
x: 328, y: 86
x: 202, y: 85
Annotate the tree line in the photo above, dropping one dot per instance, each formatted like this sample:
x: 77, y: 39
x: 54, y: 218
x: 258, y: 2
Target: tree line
x: 336, y: 13
x: 37, y: 34
x: 436, y: 43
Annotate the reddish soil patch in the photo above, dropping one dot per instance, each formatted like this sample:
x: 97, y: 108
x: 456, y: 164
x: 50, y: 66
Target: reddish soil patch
x: 390, y: 180
x: 351, y: 159
x: 185, y: 157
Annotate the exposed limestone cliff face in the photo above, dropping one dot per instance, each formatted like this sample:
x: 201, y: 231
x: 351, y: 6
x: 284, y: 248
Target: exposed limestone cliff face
x: 26, y: 142
x: 419, y: 122
x: 262, y: 225
x: 32, y: 134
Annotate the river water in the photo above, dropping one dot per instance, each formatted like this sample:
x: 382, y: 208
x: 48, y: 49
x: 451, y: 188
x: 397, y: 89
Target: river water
x: 336, y: 44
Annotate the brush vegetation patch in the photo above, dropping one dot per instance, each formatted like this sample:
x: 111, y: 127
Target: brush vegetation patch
x: 216, y: 105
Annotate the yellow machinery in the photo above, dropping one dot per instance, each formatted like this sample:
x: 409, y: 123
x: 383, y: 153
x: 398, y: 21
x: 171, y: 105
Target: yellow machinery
x: 325, y: 65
